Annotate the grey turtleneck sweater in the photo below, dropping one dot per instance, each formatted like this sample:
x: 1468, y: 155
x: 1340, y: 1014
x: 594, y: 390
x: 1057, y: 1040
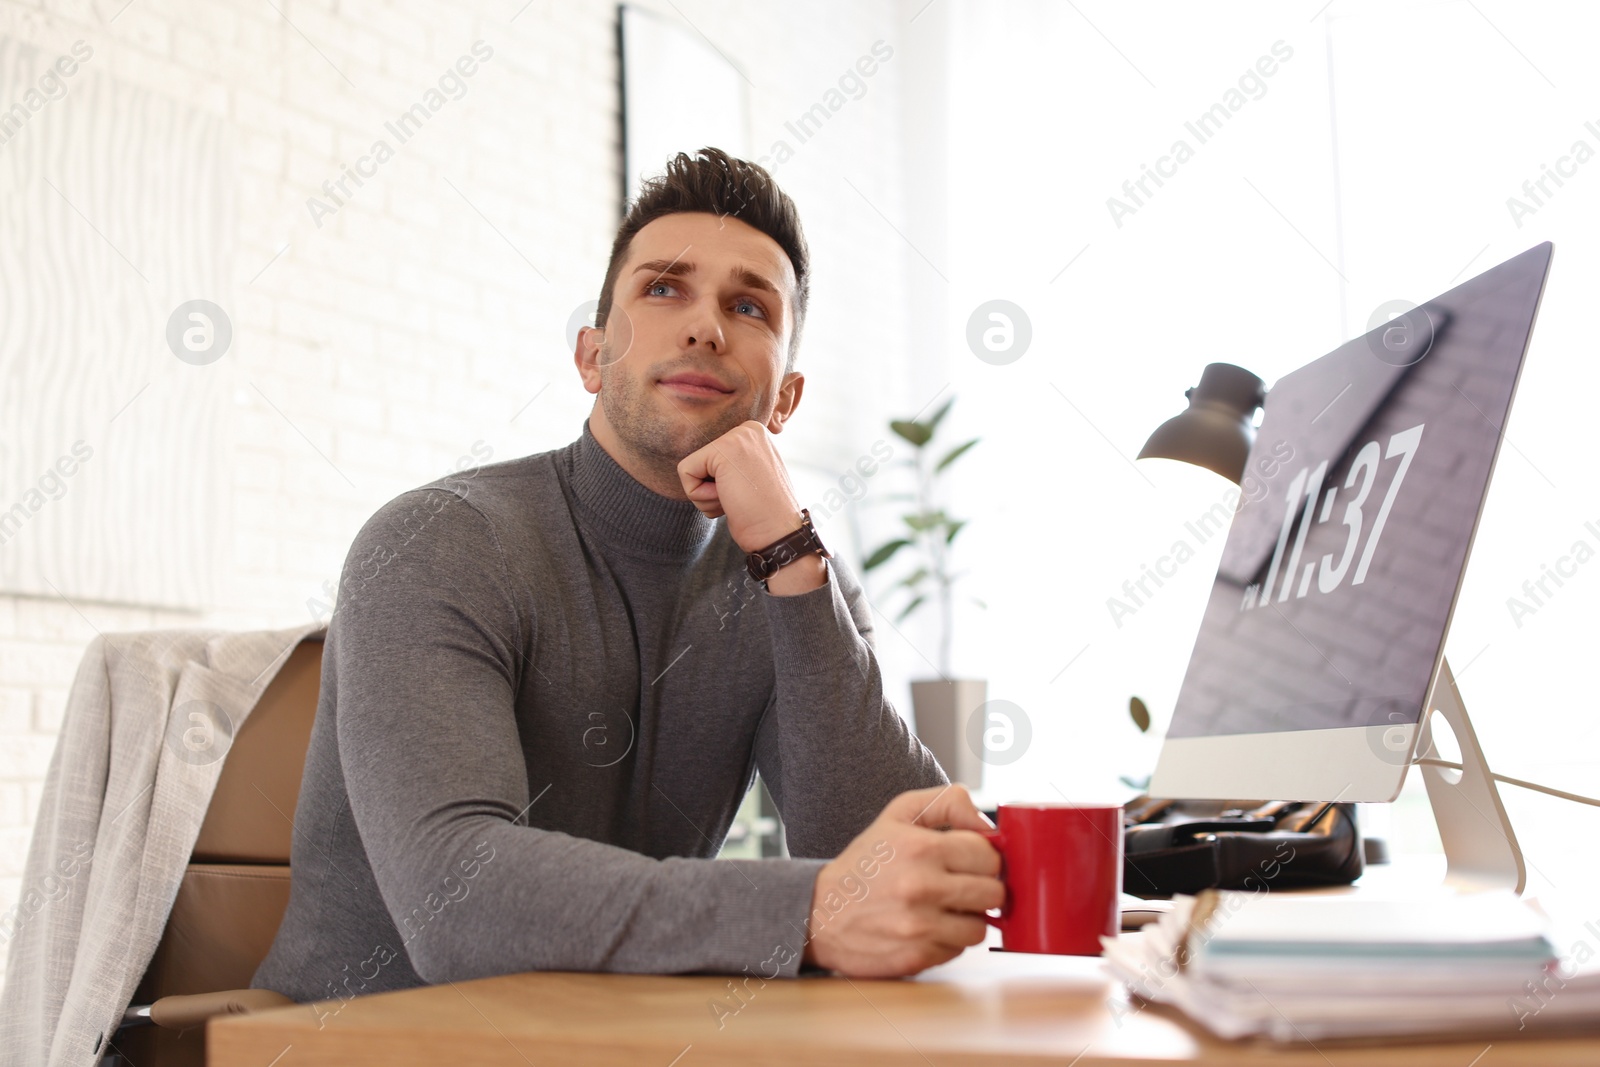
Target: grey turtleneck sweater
x: 545, y: 690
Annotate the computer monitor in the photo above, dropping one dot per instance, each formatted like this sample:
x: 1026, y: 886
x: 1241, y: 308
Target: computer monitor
x: 1323, y: 637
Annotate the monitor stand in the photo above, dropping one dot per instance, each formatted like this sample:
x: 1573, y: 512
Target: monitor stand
x: 1479, y: 845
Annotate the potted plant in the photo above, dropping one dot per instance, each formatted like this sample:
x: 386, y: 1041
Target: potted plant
x: 1140, y: 714
x: 941, y: 707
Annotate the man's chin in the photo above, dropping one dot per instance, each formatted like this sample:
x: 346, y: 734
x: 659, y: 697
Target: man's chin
x: 694, y: 441
x: 701, y: 424
x: 670, y: 433
x: 676, y: 443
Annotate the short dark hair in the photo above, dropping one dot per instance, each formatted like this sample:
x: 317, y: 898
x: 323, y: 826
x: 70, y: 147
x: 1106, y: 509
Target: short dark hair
x: 718, y: 184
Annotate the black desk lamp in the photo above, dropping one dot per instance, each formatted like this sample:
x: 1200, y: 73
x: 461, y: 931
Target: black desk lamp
x: 1217, y: 430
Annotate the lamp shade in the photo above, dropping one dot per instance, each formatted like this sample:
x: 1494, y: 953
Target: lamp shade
x: 1217, y: 430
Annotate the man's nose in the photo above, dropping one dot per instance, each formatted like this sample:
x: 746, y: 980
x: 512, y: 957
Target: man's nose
x: 704, y: 327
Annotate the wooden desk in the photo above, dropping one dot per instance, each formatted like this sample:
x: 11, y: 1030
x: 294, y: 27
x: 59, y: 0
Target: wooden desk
x: 982, y: 1007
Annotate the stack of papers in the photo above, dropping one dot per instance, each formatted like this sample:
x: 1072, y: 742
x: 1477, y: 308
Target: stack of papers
x: 1304, y: 968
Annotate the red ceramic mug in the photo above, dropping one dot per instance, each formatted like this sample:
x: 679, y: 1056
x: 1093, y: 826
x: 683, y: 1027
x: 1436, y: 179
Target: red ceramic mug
x: 1062, y: 868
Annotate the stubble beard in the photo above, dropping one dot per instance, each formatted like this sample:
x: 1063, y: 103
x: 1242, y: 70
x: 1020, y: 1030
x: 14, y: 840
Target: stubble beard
x: 661, y: 436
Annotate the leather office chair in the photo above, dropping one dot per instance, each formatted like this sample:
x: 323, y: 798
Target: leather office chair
x: 236, y: 887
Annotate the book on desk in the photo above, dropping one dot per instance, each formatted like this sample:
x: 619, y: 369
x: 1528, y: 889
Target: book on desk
x: 1308, y: 968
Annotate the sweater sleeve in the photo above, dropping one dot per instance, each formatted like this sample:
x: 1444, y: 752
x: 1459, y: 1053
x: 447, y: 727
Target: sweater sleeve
x: 426, y: 662
x: 831, y: 748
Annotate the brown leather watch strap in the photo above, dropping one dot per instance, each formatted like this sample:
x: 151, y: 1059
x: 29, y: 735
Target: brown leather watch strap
x: 765, y: 563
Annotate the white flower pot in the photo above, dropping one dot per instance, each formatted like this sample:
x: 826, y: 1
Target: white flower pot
x: 941, y: 710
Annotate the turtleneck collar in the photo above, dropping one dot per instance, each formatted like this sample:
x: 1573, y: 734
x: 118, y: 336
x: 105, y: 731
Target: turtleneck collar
x: 620, y: 512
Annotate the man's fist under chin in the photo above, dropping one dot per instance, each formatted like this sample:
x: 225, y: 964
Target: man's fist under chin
x: 741, y: 475
x: 904, y: 896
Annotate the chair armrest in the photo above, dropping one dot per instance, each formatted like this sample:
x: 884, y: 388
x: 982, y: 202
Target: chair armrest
x: 180, y: 1013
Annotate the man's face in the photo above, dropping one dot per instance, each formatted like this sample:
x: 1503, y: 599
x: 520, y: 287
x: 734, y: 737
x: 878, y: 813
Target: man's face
x: 696, y: 339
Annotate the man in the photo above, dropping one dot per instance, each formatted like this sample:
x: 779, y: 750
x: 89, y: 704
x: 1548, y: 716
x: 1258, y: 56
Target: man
x: 550, y: 681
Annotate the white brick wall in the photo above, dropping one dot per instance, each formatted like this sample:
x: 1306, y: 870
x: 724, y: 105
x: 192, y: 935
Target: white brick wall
x: 405, y: 328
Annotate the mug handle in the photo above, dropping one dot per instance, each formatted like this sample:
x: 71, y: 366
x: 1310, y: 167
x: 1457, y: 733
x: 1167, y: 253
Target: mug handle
x: 998, y: 840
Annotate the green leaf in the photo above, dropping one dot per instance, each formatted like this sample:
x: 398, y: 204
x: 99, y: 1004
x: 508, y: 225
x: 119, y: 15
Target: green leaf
x: 933, y: 423
x: 1140, y: 714
x: 925, y: 520
x: 911, y: 580
x: 980, y: 603
x: 953, y: 455
x: 915, y: 432
x: 954, y: 528
x: 884, y: 551
x: 909, y: 608
x: 1141, y: 784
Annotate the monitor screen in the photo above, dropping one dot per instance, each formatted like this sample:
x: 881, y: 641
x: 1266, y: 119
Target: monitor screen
x: 1325, y: 625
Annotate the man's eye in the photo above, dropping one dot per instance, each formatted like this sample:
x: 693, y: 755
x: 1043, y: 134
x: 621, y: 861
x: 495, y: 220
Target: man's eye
x: 653, y: 286
x: 755, y: 308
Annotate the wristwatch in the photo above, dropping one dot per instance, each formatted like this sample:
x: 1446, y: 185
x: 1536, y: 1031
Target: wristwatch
x: 765, y: 563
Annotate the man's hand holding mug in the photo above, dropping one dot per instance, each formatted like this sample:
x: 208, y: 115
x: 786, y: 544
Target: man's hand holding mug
x: 914, y: 888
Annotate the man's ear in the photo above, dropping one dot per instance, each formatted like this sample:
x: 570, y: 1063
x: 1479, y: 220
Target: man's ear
x: 789, y: 392
x: 586, y: 355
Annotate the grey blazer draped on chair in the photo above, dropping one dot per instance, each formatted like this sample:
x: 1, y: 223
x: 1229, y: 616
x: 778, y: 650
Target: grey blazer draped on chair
x: 148, y: 722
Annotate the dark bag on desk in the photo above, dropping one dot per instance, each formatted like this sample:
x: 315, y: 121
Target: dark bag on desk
x: 1184, y: 846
